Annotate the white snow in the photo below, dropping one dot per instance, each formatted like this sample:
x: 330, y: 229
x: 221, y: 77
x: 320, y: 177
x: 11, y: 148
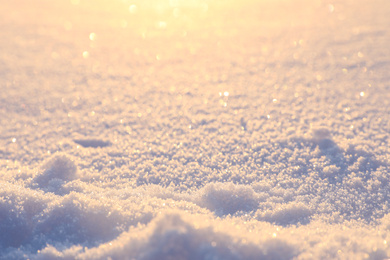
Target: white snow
x: 59, y: 168
x: 209, y: 129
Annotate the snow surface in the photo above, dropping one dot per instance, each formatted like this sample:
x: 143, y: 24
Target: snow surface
x: 208, y: 129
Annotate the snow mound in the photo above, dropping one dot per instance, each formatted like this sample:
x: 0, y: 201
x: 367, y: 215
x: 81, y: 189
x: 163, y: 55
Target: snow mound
x: 177, y: 235
x: 80, y: 219
x: 56, y: 171
x: 18, y: 206
x: 227, y: 198
x: 30, y: 219
x: 322, y: 137
x: 291, y: 213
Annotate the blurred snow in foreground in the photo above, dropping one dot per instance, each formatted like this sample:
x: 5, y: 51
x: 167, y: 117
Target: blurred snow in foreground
x: 194, y: 129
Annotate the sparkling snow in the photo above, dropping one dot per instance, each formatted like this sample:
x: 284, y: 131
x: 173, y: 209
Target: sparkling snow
x: 210, y: 129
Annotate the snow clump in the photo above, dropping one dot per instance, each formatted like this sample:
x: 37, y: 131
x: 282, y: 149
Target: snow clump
x: 322, y: 137
x: 56, y: 171
x: 227, y: 198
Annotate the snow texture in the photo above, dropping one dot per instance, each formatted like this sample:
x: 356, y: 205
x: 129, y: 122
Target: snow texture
x: 156, y: 129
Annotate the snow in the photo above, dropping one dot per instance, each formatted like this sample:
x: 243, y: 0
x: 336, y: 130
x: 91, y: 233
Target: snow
x: 59, y: 168
x: 92, y: 142
x: 209, y: 129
